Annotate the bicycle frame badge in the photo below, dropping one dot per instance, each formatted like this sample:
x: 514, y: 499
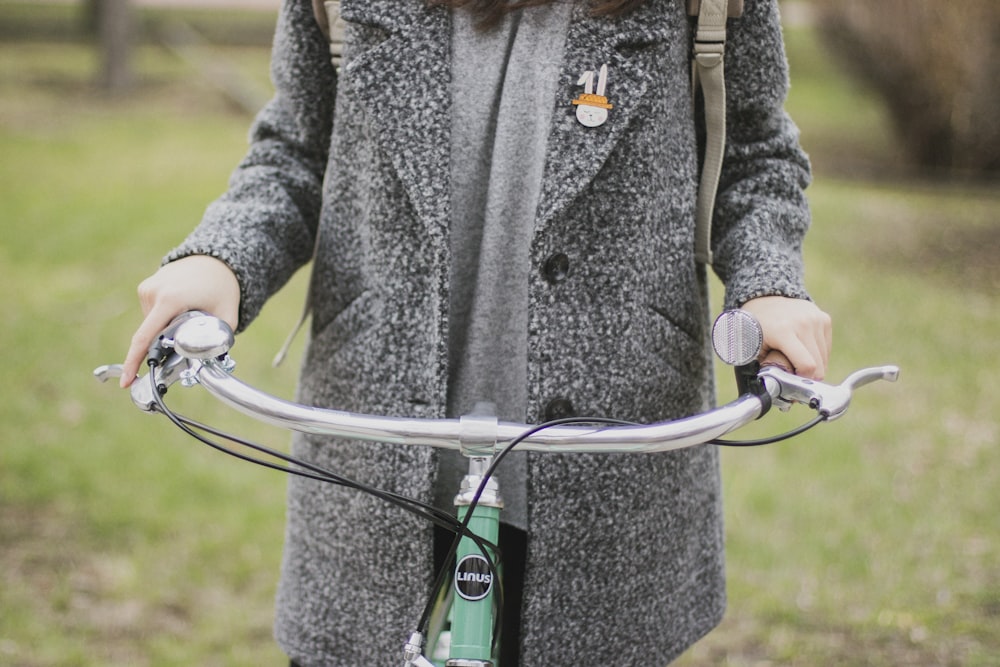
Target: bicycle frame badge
x: 473, y: 579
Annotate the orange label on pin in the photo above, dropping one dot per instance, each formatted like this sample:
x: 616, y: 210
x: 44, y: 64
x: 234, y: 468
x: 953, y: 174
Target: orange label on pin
x: 593, y: 100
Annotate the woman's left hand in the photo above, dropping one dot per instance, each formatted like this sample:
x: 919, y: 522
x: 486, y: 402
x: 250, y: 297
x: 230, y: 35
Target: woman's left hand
x: 797, y: 334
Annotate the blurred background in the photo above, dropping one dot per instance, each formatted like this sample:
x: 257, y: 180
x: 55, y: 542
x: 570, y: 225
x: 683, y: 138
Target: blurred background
x: 872, y: 540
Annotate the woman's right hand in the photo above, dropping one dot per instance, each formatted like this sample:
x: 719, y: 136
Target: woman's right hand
x: 196, y: 282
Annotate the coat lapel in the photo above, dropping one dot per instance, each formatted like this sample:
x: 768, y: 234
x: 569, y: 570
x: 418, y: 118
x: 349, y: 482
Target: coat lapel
x: 404, y: 85
x: 575, y: 153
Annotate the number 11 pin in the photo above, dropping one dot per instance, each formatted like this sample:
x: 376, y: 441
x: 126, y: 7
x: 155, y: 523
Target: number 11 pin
x: 592, y: 109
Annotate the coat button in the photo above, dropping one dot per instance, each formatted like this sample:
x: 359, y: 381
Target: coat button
x: 556, y: 268
x: 559, y: 408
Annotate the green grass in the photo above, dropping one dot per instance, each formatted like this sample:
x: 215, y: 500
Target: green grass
x: 870, y: 541
x: 123, y: 543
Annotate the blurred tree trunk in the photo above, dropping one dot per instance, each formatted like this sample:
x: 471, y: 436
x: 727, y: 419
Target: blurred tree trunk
x: 112, y: 23
x: 935, y: 63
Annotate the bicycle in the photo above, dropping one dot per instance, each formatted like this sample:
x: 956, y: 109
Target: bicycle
x: 194, y: 350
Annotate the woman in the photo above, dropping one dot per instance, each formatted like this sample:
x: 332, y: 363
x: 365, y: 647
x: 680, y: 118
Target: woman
x: 474, y: 239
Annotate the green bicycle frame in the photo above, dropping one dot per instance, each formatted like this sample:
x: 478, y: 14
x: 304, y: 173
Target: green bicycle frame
x: 475, y: 588
x: 474, y: 584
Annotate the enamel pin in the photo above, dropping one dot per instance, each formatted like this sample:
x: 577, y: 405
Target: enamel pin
x: 592, y: 108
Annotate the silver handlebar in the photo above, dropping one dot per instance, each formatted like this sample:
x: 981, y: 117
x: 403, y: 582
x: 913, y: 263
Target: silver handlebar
x: 198, y: 348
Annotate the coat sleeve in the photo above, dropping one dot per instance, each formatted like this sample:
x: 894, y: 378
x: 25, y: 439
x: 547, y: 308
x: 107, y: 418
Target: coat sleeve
x: 264, y: 226
x: 761, y: 214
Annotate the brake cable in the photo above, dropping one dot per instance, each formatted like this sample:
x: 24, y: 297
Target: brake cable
x: 304, y: 468
x: 428, y: 512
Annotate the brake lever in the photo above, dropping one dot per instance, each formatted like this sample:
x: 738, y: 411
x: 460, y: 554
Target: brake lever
x: 830, y: 401
x: 108, y: 372
x: 189, y: 339
x: 171, y: 369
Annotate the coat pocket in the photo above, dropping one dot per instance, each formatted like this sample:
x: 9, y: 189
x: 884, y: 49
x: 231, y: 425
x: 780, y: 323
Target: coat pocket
x: 677, y: 342
x: 345, y: 326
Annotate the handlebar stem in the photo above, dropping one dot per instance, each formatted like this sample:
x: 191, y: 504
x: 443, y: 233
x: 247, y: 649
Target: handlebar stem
x: 478, y: 434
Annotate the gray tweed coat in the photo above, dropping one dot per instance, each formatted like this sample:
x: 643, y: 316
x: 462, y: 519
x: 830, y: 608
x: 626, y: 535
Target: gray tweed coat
x: 626, y: 552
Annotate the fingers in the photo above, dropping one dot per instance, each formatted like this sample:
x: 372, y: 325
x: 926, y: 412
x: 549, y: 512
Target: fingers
x: 155, y: 321
x: 798, y: 330
x: 197, y: 282
x: 804, y: 355
x: 776, y: 358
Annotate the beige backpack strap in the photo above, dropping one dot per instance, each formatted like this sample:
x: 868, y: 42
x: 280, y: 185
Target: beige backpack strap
x: 708, y: 75
x: 327, y: 13
x: 319, y: 11
x: 279, y: 358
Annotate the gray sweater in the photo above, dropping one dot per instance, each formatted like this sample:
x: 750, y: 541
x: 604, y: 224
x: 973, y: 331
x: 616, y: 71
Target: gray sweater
x: 503, y: 82
x: 625, y: 553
